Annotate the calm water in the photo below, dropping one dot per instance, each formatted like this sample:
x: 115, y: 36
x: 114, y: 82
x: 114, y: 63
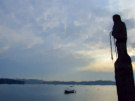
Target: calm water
x: 56, y: 93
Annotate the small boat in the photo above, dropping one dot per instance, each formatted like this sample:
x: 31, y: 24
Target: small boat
x: 69, y: 91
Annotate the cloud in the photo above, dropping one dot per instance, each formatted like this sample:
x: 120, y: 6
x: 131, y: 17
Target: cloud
x: 54, y: 36
x: 22, y: 38
x: 4, y: 48
x: 99, y: 66
x: 100, y: 62
x: 130, y: 23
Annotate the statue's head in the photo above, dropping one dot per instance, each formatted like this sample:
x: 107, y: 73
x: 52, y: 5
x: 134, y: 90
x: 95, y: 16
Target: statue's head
x: 116, y: 18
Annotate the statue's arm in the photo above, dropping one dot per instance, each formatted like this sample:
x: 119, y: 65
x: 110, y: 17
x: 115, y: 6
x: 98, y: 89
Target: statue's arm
x: 115, y: 32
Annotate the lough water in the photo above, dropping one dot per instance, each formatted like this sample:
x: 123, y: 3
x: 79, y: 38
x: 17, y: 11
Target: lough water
x: 44, y: 92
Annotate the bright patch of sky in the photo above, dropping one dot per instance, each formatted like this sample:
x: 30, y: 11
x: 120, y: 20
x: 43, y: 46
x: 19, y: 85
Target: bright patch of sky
x: 61, y: 39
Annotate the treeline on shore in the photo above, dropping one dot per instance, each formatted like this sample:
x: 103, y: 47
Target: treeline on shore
x: 11, y: 81
x: 36, y: 81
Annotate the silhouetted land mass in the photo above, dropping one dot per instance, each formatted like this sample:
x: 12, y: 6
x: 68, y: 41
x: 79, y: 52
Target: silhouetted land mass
x: 99, y: 82
x: 36, y: 81
x: 81, y: 83
x: 11, y: 81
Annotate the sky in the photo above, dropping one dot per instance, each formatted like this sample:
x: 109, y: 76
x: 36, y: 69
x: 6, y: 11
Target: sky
x: 61, y: 39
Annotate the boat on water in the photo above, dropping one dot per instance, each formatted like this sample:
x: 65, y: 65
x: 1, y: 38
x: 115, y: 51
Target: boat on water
x: 69, y: 91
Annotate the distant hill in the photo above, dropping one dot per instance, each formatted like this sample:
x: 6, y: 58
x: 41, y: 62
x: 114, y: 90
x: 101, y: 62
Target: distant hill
x: 36, y: 81
x: 99, y: 82
x: 10, y: 81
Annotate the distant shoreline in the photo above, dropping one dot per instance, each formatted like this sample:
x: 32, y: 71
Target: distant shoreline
x: 36, y: 81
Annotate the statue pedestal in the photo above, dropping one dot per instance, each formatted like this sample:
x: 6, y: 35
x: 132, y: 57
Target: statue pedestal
x: 124, y: 79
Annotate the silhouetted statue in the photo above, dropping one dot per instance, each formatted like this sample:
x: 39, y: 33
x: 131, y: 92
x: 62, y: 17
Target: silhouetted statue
x: 123, y: 67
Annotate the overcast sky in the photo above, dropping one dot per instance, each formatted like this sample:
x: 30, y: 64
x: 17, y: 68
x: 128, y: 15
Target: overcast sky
x: 61, y: 39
